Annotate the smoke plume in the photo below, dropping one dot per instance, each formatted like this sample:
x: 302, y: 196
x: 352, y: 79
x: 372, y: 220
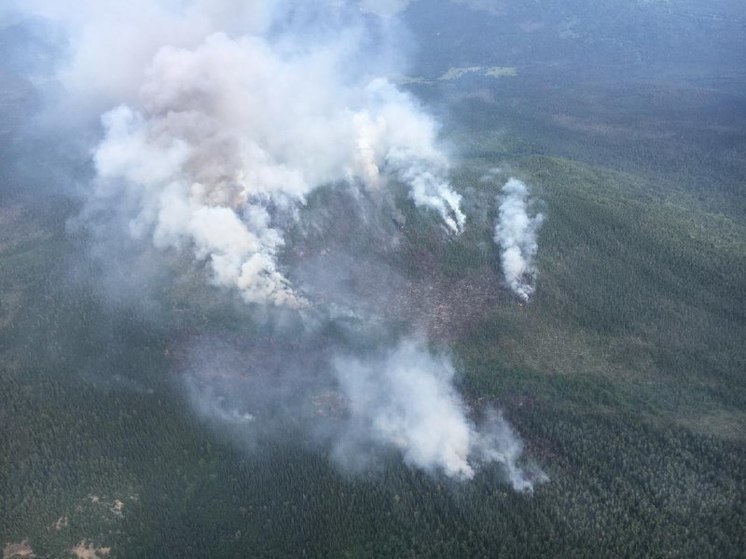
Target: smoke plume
x: 218, y: 120
x: 216, y: 137
x: 357, y: 405
x: 406, y: 400
x: 515, y: 233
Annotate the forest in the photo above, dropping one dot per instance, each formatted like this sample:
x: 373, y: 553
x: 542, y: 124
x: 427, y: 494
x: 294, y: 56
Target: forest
x: 623, y: 375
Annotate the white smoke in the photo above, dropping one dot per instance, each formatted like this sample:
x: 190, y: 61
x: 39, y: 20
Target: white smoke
x: 497, y: 442
x: 407, y: 401
x: 515, y: 233
x: 216, y: 132
x: 216, y: 127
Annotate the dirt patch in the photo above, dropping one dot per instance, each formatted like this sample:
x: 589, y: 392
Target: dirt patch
x: 443, y: 307
x: 18, y: 550
x: 87, y: 550
x: 60, y: 523
x: 117, y: 507
x: 447, y: 309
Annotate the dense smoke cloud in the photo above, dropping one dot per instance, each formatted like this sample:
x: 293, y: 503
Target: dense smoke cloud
x: 218, y: 121
x: 214, y: 137
x: 515, y: 232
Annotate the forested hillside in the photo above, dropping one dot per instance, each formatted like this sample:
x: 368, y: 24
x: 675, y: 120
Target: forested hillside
x: 623, y: 375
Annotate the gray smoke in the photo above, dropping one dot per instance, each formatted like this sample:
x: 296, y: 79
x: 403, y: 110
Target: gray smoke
x: 515, y: 233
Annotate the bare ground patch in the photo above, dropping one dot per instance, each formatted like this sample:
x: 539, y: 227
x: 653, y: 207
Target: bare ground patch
x: 18, y: 550
x: 60, y: 523
x: 115, y: 507
x: 87, y: 550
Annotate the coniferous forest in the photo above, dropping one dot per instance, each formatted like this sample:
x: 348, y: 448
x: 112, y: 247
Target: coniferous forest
x: 623, y: 376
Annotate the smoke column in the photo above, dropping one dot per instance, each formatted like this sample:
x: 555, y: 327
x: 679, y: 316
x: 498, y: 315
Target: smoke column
x: 515, y: 233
